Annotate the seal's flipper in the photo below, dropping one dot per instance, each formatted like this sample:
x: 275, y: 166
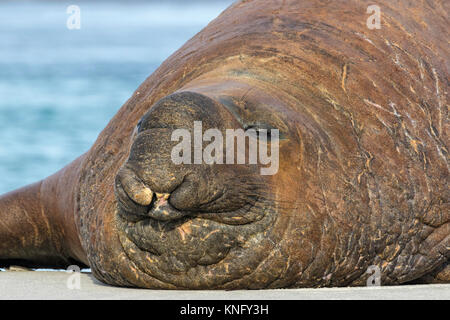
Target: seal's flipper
x: 35, y: 231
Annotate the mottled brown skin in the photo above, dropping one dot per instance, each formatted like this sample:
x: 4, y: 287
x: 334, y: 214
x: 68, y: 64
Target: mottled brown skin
x: 363, y: 179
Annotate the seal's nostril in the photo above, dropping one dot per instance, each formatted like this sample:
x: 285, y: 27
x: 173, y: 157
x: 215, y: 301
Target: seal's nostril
x: 143, y: 197
x: 135, y: 188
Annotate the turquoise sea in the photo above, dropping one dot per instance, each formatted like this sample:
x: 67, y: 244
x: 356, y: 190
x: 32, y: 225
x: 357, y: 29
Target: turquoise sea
x: 59, y: 87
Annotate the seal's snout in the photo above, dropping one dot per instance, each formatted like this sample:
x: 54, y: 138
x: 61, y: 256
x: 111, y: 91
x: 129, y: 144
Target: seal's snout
x: 151, y: 185
x: 138, y: 199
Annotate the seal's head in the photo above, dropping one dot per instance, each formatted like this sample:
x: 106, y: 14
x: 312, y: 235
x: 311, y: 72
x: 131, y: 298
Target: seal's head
x: 204, y: 222
x: 360, y: 182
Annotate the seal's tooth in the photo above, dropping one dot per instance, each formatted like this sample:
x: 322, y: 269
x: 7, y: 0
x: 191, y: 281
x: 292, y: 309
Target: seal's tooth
x: 161, y: 199
x: 162, y: 196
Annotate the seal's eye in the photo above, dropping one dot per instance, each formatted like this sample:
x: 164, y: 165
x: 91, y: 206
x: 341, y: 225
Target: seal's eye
x: 139, y: 125
x: 263, y: 131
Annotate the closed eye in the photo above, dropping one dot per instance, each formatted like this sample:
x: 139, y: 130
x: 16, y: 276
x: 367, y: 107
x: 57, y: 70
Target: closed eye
x: 263, y: 131
x: 139, y: 125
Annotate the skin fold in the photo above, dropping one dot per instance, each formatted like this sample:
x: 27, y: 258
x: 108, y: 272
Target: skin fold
x: 363, y: 159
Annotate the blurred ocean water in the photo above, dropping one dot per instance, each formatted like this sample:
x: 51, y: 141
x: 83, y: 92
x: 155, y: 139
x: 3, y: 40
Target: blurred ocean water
x: 59, y: 88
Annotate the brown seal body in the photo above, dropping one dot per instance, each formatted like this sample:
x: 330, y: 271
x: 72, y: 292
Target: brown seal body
x: 363, y: 168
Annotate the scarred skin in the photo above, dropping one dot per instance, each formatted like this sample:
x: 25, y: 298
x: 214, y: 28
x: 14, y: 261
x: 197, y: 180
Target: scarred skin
x: 363, y: 172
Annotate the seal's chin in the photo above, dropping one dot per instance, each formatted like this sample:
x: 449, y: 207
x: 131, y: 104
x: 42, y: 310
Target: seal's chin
x: 175, y: 241
x: 164, y: 242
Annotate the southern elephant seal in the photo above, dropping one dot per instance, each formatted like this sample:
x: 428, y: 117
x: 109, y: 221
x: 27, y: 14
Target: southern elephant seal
x: 362, y: 178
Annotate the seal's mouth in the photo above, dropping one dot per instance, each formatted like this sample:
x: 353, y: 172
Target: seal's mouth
x: 158, y: 207
x: 160, y: 210
x: 177, y: 240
